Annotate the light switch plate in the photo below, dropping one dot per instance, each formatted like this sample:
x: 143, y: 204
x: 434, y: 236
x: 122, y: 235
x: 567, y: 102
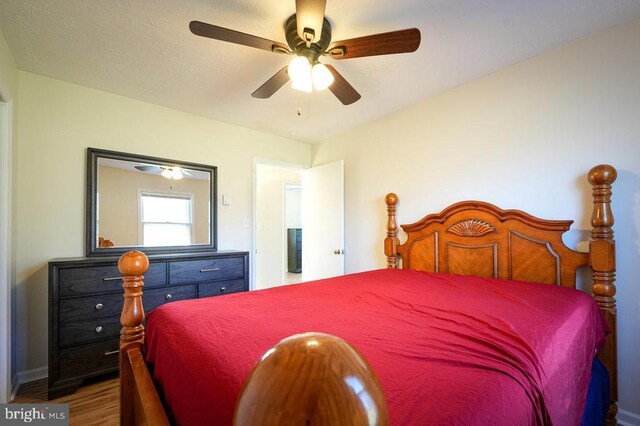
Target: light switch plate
x: 226, y: 200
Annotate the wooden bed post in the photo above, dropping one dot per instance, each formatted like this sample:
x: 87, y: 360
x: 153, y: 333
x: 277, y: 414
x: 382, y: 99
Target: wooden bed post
x: 140, y: 403
x: 603, y: 265
x: 391, y: 242
x: 132, y: 265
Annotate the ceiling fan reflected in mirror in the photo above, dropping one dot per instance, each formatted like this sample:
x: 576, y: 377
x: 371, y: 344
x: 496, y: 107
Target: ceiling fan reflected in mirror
x: 308, y: 35
x: 175, y: 173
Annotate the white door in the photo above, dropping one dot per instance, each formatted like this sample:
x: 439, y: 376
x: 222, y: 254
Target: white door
x: 323, y: 221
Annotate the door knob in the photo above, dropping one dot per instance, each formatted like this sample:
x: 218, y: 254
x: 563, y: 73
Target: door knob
x: 336, y: 252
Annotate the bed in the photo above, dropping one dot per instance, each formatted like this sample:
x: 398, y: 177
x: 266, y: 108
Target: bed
x: 459, y: 328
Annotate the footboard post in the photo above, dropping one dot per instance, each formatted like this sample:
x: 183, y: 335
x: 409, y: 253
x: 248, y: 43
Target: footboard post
x: 603, y: 266
x: 132, y: 266
x: 391, y: 242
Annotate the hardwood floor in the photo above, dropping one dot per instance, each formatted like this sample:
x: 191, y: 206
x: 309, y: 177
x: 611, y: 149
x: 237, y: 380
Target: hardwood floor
x: 96, y: 403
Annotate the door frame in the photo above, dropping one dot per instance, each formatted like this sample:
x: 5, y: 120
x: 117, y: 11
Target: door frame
x: 6, y: 120
x: 265, y: 162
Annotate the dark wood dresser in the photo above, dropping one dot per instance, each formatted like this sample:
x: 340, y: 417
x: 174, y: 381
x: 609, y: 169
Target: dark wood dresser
x: 294, y: 250
x: 85, y: 301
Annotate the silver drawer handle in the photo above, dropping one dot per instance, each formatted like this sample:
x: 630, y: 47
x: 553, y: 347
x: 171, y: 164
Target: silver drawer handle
x: 98, y: 329
x: 223, y: 289
x: 168, y: 297
x: 99, y: 306
x: 110, y: 353
x: 113, y: 279
x: 209, y: 270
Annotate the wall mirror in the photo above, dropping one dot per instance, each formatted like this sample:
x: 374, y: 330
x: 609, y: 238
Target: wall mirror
x: 151, y: 204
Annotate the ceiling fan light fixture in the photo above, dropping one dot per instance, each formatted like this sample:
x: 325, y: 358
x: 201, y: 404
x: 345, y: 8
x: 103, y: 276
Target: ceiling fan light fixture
x: 299, y: 69
x: 176, y: 173
x: 322, y: 77
x: 303, y: 85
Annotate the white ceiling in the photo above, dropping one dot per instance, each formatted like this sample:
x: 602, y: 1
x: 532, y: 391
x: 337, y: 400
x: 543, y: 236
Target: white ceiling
x: 143, y: 49
x: 131, y: 167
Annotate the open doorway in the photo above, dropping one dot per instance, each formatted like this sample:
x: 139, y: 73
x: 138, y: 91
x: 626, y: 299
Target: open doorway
x: 298, y: 223
x: 277, y: 210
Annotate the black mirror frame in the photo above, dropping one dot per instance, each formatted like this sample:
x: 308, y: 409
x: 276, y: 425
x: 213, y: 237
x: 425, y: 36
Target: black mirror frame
x: 91, y: 248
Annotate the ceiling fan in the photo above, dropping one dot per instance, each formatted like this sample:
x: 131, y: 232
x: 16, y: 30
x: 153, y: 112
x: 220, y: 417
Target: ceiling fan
x: 168, y: 172
x: 308, y: 35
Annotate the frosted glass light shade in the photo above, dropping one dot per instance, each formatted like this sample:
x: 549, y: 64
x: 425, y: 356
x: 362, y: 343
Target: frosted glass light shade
x: 299, y: 69
x: 300, y: 73
x: 322, y: 77
x: 172, y: 173
x: 303, y: 84
x: 176, y: 174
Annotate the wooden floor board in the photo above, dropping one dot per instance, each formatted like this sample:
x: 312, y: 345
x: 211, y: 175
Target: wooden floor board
x: 93, y: 404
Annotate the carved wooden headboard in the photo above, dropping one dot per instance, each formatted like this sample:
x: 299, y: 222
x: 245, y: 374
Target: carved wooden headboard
x: 478, y: 238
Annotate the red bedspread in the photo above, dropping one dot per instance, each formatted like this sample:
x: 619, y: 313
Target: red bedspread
x: 447, y: 349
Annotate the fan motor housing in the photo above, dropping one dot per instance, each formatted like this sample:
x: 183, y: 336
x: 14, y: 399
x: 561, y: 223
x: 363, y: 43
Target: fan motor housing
x: 299, y: 46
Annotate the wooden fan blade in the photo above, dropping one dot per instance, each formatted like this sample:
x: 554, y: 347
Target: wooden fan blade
x: 402, y: 41
x: 342, y: 89
x: 224, y: 34
x: 147, y: 168
x: 272, y: 85
x: 310, y: 14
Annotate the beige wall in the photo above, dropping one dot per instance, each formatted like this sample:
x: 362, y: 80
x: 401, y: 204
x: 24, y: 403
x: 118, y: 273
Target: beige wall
x: 119, y: 204
x: 522, y: 138
x: 57, y: 122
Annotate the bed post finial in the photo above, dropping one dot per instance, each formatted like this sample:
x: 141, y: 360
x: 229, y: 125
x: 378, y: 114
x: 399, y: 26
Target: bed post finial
x: 391, y: 242
x: 132, y: 265
x: 602, y: 260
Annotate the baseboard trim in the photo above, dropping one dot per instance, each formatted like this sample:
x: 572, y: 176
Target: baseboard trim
x: 31, y: 375
x: 15, y: 385
x: 628, y: 418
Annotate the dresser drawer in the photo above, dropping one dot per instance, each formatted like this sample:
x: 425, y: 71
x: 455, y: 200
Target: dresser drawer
x: 81, y: 321
x: 154, y: 298
x: 102, y: 279
x: 90, y: 308
x: 206, y: 270
x: 95, y: 358
x: 72, y: 333
x: 220, y: 287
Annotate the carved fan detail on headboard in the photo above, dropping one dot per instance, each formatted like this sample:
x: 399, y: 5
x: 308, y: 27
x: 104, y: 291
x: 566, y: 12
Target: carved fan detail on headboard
x: 471, y: 228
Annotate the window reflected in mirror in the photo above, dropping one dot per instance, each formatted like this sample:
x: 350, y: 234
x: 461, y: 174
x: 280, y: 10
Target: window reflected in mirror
x: 166, y: 219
